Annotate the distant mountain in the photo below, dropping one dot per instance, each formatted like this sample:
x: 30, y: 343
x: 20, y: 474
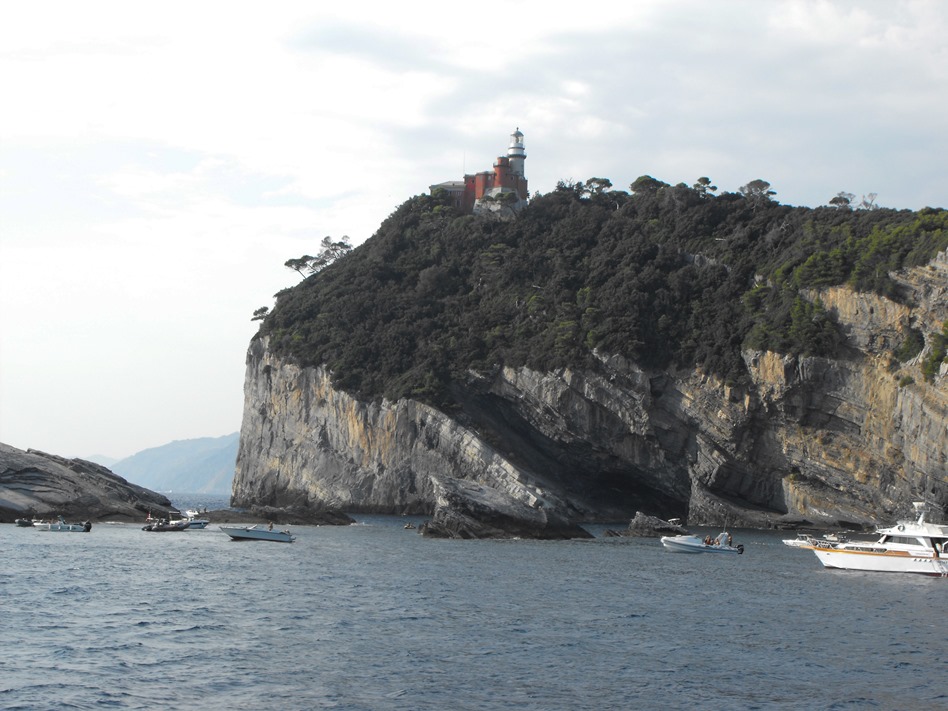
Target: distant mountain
x: 203, y: 466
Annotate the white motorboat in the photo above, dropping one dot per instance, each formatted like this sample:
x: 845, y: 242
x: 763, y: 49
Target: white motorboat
x: 255, y: 533
x: 61, y: 525
x: 195, y: 520
x: 693, y: 544
x: 803, y: 540
x: 908, y: 547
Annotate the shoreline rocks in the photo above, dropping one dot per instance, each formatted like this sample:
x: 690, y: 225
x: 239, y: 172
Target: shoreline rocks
x: 280, y: 516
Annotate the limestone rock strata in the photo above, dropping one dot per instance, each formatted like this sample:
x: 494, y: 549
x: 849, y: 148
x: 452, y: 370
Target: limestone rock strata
x: 303, y: 442
x: 810, y: 440
x: 34, y: 483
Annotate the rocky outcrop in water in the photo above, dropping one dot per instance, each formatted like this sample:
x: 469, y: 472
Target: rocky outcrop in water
x: 811, y: 440
x: 43, y: 485
x: 465, y: 509
x: 645, y: 526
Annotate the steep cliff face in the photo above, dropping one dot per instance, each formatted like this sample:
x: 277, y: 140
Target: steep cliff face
x: 304, y: 442
x: 825, y: 440
x: 861, y: 436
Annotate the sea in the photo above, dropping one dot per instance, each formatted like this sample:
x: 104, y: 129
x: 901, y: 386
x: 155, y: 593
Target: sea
x: 373, y: 616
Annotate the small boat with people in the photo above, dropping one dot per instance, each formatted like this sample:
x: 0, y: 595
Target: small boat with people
x: 722, y: 543
x: 256, y: 533
x: 61, y: 525
x: 910, y: 546
x: 163, y: 525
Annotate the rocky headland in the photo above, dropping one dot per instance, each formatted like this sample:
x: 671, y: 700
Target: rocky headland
x: 714, y: 358
x: 811, y: 441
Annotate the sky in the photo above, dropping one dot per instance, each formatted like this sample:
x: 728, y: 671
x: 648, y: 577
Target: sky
x: 159, y: 162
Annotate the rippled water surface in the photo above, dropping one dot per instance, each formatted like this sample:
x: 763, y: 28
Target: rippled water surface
x: 373, y: 616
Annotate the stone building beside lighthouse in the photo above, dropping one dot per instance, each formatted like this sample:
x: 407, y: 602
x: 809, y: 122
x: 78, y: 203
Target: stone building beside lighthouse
x: 504, y: 186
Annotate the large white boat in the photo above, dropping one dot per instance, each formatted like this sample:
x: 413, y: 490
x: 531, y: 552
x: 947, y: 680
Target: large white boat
x: 255, y: 533
x: 917, y: 546
x: 61, y: 525
x: 693, y: 544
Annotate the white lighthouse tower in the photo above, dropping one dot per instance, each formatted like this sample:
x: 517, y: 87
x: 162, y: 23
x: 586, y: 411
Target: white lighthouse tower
x: 516, y: 153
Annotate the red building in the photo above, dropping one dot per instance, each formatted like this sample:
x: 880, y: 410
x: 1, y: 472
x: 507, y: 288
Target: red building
x: 507, y: 177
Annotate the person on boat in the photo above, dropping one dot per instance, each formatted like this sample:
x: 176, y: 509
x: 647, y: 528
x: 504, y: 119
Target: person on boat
x: 730, y: 540
x: 270, y: 527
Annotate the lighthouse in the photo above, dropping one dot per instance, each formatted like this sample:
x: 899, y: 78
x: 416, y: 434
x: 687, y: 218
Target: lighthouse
x: 516, y: 152
x: 508, y: 172
x: 503, y: 187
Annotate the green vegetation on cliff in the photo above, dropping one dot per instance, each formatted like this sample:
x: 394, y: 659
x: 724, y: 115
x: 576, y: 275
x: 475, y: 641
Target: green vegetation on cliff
x: 669, y: 276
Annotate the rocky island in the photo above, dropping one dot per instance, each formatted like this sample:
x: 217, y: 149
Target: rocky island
x: 712, y: 358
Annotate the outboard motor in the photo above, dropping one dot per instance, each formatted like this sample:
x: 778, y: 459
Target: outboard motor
x: 740, y: 549
x: 87, y: 526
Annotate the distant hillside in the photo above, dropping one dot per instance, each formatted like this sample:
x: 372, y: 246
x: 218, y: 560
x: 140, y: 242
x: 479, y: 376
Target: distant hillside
x: 204, y: 465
